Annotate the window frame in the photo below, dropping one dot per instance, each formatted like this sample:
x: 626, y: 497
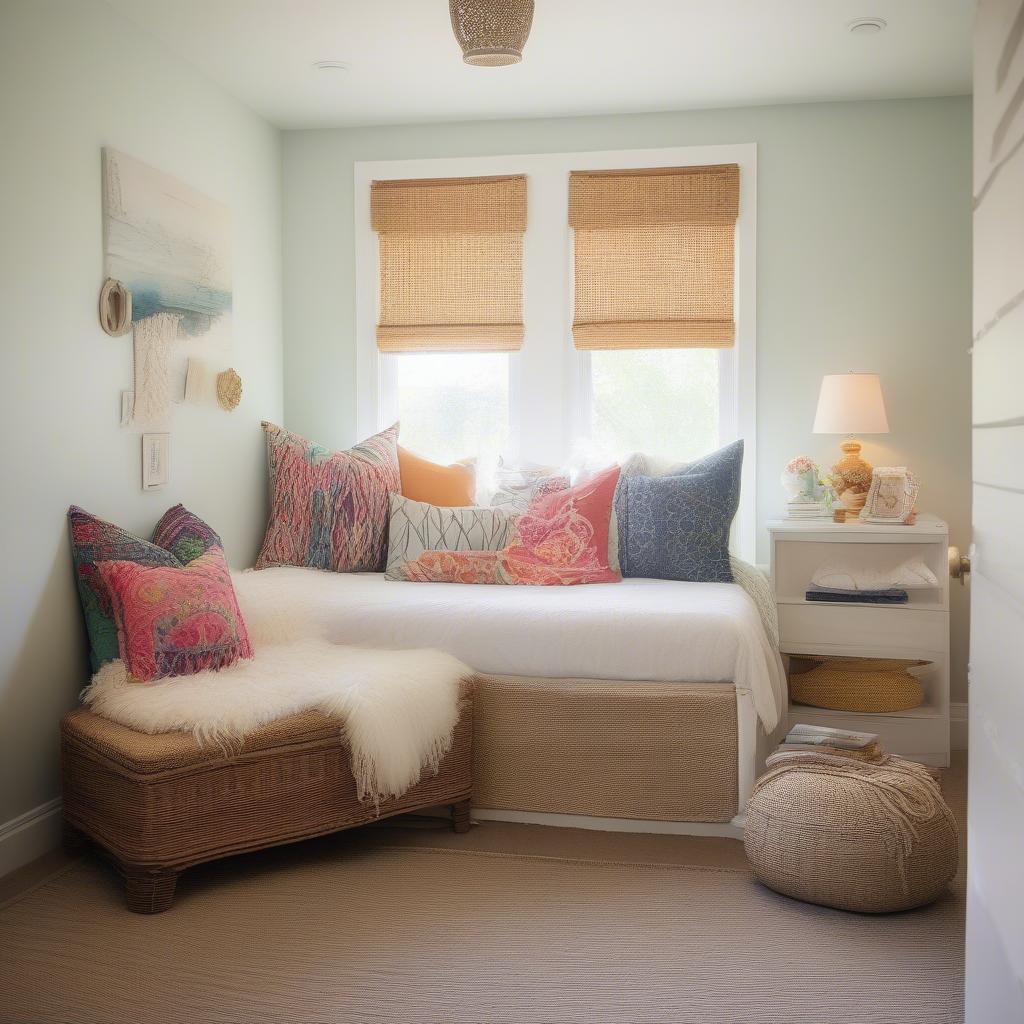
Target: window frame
x: 549, y: 382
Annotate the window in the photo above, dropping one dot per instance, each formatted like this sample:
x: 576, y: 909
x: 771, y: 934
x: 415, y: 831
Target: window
x: 549, y: 399
x: 452, y: 404
x: 660, y: 401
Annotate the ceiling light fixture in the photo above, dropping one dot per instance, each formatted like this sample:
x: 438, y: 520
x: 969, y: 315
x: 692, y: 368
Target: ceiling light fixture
x: 334, y: 66
x: 492, y: 33
x: 867, y: 26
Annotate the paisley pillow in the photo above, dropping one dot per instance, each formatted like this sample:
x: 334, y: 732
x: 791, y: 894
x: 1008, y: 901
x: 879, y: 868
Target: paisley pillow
x: 94, y: 540
x: 329, y: 510
x: 176, y: 621
x: 560, y: 540
x: 184, y: 534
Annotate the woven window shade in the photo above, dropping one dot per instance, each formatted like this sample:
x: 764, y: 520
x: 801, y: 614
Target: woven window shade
x: 654, y: 257
x: 451, y: 264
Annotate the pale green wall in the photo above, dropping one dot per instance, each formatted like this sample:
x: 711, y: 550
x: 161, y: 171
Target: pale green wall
x: 863, y: 263
x: 74, y: 77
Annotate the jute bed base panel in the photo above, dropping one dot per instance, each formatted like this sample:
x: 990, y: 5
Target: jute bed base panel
x: 159, y: 804
x: 655, y: 751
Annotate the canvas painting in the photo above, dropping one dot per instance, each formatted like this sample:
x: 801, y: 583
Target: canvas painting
x: 169, y: 244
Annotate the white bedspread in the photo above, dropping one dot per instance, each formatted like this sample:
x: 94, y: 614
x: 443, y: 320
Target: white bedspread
x: 638, y: 629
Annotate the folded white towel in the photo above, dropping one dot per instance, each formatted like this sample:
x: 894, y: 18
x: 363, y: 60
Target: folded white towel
x: 912, y: 574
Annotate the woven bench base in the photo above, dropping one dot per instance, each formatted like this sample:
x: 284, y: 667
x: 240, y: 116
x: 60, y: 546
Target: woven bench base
x: 603, y: 748
x: 159, y: 804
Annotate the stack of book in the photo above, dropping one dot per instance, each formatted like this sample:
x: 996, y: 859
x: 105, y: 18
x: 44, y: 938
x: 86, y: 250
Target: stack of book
x: 807, y: 510
x: 819, y: 739
x: 834, y: 595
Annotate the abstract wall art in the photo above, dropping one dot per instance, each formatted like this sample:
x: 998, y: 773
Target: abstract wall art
x: 168, y: 243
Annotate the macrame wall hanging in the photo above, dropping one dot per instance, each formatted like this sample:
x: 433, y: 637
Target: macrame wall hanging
x: 154, y: 341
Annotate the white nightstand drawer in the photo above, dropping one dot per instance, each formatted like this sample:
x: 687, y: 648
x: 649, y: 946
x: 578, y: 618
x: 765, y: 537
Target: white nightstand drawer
x: 850, y: 625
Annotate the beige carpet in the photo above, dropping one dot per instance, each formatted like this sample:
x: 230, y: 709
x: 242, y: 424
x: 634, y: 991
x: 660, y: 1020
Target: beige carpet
x: 367, y: 932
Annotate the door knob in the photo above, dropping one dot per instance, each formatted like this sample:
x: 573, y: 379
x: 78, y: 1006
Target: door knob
x: 959, y: 565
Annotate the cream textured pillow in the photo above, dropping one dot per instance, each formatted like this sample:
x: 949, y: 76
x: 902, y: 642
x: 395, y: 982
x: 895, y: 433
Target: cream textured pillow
x: 416, y: 527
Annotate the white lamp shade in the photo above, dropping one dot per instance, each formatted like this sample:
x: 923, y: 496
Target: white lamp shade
x: 851, y: 403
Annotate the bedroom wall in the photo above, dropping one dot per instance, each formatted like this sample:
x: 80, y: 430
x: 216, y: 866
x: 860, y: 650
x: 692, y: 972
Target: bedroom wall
x: 864, y: 219
x: 75, y: 76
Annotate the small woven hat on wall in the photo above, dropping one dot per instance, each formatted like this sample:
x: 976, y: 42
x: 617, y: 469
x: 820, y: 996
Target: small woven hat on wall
x: 868, y: 685
x: 872, y: 838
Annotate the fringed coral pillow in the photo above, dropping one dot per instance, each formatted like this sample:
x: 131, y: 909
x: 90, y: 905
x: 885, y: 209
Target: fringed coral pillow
x: 560, y: 540
x: 176, y: 621
x: 329, y: 510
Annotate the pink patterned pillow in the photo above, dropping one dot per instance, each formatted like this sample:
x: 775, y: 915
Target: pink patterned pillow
x: 329, y: 510
x: 561, y: 540
x: 176, y: 621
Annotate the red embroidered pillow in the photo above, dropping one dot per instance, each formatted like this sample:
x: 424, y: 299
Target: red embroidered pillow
x: 176, y: 621
x: 561, y: 540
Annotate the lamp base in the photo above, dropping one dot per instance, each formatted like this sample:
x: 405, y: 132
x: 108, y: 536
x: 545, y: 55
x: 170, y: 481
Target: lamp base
x: 853, y: 478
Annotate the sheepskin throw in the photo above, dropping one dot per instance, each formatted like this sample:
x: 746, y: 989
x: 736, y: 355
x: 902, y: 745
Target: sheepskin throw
x: 398, y: 708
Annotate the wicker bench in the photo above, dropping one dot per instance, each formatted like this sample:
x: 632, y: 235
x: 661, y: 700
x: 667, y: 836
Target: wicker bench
x: 159, y: 804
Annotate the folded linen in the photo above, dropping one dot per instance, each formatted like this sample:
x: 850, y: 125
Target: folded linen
x: 909, y: 575
x: 894, y: 596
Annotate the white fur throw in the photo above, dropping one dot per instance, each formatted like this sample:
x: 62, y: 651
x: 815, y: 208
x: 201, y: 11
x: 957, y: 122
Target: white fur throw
x: 399, y: 708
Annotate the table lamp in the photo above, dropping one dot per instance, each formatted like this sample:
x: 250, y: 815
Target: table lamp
x: 851, y: 403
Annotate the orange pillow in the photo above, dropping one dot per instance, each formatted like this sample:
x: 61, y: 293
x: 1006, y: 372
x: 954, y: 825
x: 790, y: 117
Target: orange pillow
x: 447, y: 486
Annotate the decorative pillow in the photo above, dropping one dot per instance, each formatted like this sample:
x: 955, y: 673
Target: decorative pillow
x: 562, y: 539
x: 677, y: 527
x: 329, y: 510
x: 416, y: 527
x: 518, y: 488
x: 176, y: 621
x: 184, y: 534
x: 94, y: 540
x: 444, y: 486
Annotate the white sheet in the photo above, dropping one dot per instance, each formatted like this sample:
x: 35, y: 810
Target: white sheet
x: 640, y: 629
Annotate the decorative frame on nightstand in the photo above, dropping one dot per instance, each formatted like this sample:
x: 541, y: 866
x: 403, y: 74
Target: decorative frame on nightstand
x: 918, y: 629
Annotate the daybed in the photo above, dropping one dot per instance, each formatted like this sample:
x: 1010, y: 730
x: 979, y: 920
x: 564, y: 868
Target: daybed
x: 643, y: 705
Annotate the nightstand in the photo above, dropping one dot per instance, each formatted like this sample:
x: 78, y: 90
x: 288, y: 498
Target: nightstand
x: 918, y: 629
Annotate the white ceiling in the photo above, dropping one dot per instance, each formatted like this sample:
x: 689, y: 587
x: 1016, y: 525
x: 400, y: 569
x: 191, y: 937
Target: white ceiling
x: 583, y: 57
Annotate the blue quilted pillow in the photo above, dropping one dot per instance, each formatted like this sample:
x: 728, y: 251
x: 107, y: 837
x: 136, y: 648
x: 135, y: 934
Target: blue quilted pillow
x: 676, y: 527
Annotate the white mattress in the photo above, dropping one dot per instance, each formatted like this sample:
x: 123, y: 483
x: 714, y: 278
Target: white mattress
x: 639, y: 629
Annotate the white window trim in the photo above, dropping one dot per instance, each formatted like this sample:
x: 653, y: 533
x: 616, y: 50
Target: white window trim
x: 555, y: 408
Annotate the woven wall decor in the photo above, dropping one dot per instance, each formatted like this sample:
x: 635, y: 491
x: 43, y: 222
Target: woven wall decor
x: 229, y: 389
x: 115, y: 308
x: 492, y: 33
x: 872, y: 838
x: 867, y: 685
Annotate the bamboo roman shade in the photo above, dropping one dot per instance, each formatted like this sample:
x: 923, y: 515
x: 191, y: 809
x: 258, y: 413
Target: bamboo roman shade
x: 654, y: 256
x: 451, y: 264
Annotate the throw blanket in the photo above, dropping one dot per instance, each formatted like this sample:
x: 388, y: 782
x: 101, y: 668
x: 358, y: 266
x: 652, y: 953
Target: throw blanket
x: 398, y: 708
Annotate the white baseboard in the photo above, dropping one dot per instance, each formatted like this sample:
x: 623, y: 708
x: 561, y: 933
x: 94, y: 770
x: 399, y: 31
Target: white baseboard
x: 958, y: 726
x: 30, y: 835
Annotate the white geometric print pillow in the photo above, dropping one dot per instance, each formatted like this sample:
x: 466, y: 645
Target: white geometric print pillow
x: 416, y: 527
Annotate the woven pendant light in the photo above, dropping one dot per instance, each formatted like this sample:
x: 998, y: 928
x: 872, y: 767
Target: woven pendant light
x: 492, y: 33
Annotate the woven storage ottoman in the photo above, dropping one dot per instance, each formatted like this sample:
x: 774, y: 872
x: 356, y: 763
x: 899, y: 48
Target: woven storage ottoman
x: 159, y: 804
x: 873, y: 838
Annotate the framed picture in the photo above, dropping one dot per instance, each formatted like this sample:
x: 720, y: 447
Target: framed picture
x: 156, y: 460
x: 891, y: 496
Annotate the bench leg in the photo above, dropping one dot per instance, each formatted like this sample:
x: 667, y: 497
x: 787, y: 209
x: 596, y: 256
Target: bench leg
x: 460, y: 816
x: 148, y: 890
x: 75, y: 842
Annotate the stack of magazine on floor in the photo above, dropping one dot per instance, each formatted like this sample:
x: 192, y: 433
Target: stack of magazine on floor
x: 820, y: 739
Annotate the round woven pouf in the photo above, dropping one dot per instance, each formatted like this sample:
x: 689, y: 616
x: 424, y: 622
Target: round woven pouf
x: 873, y: 838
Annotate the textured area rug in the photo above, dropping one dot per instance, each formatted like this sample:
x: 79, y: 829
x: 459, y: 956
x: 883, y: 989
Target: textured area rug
x: 409, y: 934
